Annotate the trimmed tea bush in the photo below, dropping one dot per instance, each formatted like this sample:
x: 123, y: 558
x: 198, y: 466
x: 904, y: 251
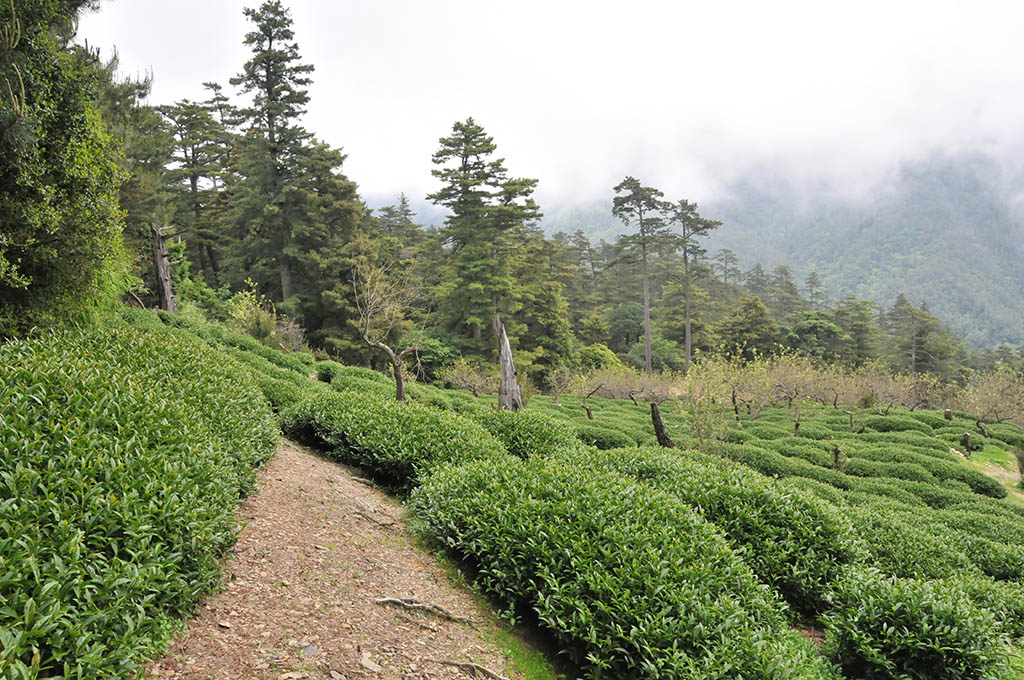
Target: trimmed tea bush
x: 884, y: 627
x: 397, y: 443
x: 125, y: 452
x: 327, y: 370
x: 894, y: 423
x: 898, y: 548
x: 629, y: 581
x: 527, y: 433
x: 603, y: 437
x: 776, y: 465
x: 792, y: 541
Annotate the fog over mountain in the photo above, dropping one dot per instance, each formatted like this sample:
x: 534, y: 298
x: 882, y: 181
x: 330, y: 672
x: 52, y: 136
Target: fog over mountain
x: 946, y: 230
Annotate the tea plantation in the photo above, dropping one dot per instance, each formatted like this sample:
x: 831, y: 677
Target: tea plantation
x: 780, y: 551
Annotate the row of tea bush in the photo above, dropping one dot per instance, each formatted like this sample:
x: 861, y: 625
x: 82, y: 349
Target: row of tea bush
x: 126, y: 449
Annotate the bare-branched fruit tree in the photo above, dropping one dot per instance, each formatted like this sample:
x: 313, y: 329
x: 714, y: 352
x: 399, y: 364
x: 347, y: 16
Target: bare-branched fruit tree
x: 384, y: 298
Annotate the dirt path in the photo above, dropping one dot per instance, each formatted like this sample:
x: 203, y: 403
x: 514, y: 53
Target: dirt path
x: 301, y: 588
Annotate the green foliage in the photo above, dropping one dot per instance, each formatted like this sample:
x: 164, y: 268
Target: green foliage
x: 791, y: 540
x: 884, y: 627
x: 629, y: 581
x: 898, y: 548
x: 61, y: 253
x: 597, y: 356
x: 397, y: 443
x: 603, y: 437
x: 749, y: 331
x: 896, y: 424
x: 665, y: 355
x: 134, y: 446
x: 527, y: 433
x: 775, y: 465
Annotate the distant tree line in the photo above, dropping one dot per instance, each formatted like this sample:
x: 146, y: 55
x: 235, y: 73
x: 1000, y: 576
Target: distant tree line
x: 256, y: 205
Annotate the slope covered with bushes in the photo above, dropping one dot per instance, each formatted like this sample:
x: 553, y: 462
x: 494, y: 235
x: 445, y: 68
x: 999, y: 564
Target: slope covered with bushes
x: 126, y: 449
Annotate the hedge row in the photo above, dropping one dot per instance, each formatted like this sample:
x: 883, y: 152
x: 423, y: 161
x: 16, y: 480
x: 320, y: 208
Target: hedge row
x: 791, y: 540
x: 631, y: 582
x: 885, y: 627
x: 397, y: 443
x: 776, y: 465
x: 125, y: 452
x: 300, y: 362
x: 526, y: 433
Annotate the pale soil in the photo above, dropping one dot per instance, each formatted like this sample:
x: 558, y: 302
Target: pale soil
x: 300, y: 588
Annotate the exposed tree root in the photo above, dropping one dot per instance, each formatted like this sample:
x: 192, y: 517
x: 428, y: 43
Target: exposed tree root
x: 414, y: 604
x: 471, y: 669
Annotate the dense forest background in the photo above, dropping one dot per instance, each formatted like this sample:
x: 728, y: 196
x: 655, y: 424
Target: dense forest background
x: 259, y: 213
x: 945, y: 230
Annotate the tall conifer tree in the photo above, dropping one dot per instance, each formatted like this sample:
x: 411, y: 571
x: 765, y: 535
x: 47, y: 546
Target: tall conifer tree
x: 267, y: 202
x: 491, y: 214
x: 641, y: 207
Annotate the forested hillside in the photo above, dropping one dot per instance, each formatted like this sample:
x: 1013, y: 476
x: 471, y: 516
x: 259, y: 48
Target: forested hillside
x: 945, y: 231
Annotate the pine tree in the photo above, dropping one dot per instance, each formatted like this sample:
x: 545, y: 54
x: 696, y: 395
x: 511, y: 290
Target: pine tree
x: 491, y: 214
x: 728, y: 265
x: 816, y: 296
x: 199, y: 150
x: 692, y: 228
x: 641, y: 207
x: 749, y: 331
x: 861, y: 334
x: 267, y: 204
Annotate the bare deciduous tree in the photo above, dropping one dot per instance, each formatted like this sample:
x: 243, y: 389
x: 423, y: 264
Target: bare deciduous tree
x: 384, y: 298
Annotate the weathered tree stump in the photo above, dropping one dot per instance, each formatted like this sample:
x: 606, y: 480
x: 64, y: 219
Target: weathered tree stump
x: 509, y: 396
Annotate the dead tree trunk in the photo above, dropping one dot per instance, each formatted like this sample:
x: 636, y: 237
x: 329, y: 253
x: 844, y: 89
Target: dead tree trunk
x: 509, y: 397
x: 162, y: 266
x: 659, y: 428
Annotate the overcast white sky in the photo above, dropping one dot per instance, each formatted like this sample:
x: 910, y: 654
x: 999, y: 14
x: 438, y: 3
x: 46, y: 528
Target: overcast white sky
x: 683, y: 95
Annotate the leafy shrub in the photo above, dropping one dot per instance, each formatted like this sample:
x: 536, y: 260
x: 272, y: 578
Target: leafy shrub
x: 776, y: 465
x: 344, y: 382
x: 1004, y: 600
x: 766, y: 431
x: 898, y: 548
x: 933, y: 495
x: 1008, y: 433
x: 597, y: 356
x: 631, y: 583
x: 884, y: 488
x: 941, y: 468
x: 999, y: 561
x: 793, y: 447
x: 791, y: 540
x: 134, y: 445
x: 364, y: 373
x: 280, y: 393
x: 526, y: 433
x: 398, y: 443
x: 896, y: 423
x: 215, y: 333
x: 933, y: 419
x: 326, y: 370
x: 817, y: 431
x: 822, y: 490
x: 884, y: 627
x: 1000, y: 529
x: 859, y: 467
x: 603, y: 437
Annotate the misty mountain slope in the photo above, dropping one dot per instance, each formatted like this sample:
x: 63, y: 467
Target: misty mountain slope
x: 942, y: 232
